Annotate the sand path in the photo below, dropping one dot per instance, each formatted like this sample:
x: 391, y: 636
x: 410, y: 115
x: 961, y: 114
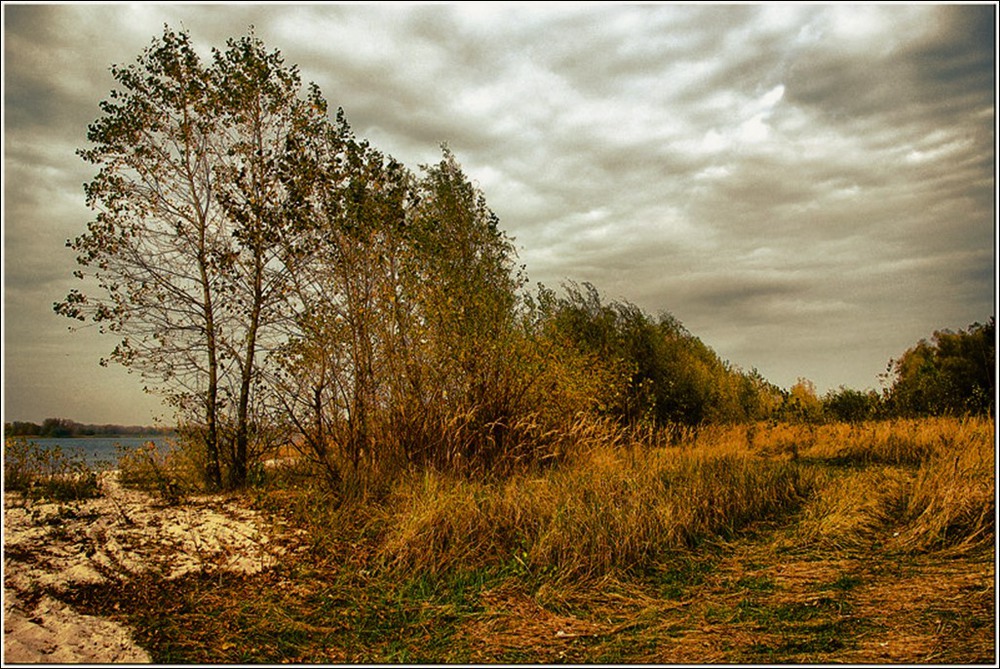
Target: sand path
x: 50, y: 547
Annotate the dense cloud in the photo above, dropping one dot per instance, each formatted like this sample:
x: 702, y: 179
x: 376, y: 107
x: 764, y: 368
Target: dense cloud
x: 809, y: 189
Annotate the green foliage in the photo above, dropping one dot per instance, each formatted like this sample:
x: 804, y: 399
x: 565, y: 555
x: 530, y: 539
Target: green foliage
x: 953, y: 374
x: 852, y: 406
x: 19, y: 428
x: 41, y: 472
x: 662, y: 373
x: 406, y: 347
x: 474, y: 373
x: 801, y: 404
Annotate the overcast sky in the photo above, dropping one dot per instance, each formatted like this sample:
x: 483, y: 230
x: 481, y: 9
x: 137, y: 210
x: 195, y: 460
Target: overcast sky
x: 810, y: 189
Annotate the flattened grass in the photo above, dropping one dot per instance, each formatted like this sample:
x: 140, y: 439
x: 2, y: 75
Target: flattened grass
x: 913, y: 486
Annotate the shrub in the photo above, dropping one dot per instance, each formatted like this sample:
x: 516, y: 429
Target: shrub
x: 170, y: 473
x: 46, y: 472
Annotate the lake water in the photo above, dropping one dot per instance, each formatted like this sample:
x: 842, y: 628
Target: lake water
x: 99, y: 452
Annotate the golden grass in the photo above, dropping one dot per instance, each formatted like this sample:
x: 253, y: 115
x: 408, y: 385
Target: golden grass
x: 618, y: 503
x: 870, y: 543
x: 895, y: 442
x: 848, y: 511
x: 950, y: 503
x: 913, y: 486
x: 608, y: 507
x: 933, y: 614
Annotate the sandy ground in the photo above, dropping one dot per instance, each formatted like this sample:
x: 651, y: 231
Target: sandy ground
x: 49, y: 547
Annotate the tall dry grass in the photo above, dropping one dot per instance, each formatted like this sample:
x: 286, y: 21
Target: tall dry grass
x: 38, y: 471
x: 915, y: 485
x: 622, y: 500
x: 615, y: 503
x: 950, y: 503
x: 170, y: 473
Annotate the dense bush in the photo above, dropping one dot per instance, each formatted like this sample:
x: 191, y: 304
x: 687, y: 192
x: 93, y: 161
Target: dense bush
x: 852, y: 406
x: 662, y: 374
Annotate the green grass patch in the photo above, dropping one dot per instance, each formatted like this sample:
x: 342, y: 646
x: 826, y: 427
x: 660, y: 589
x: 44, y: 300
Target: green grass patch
x: 676, y: 577
x: 756, y: 584
x: 845, y: 582
x: 810, y: 640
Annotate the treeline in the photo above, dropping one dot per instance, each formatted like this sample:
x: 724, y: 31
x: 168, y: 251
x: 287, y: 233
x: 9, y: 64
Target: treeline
x: 651, y: 370
x: 63, y: 428
x: 951, y: 374
x: 270, y: 274
x: 656, y: 372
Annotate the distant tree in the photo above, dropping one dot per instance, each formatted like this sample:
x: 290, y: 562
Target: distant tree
x: 58, y: 428
x: 181, y: 254
x: 802, y: 403
x: 851, y: 406
x: 760, y: 399
x: 954, y: 373
x: 21, y: 429
x: 663, y: 373
x: 63, y: 427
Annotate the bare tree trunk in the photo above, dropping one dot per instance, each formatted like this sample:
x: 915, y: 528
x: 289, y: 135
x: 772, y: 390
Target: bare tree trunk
x: 213, y: 472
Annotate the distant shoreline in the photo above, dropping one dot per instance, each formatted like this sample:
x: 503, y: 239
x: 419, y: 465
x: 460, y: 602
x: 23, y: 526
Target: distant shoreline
x: 126, y: 435
x: 62, y: 428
